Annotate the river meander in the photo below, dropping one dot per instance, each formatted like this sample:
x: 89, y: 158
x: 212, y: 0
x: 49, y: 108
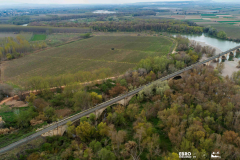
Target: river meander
x: 223, y: 45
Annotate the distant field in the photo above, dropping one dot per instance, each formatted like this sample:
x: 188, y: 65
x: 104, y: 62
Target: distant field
x: 193, y: 17
x: 86, y: 55
x: 26, y: 35
x: 231, y: 30
x: 208, y: 14
x: 199, y: 20
x: 206, y: 23
x: 41, y: 29
x: 39, y: 37
x: 59, y: 38
x: 227, y: 21
x: 6, y: 34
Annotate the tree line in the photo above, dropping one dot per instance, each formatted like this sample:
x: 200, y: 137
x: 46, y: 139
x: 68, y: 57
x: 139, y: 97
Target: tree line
x: 12, y: 28
x: 143, y: 25
x: 11, y: 48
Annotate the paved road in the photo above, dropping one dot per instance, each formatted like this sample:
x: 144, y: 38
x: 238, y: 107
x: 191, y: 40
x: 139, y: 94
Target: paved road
x: 102, y: 105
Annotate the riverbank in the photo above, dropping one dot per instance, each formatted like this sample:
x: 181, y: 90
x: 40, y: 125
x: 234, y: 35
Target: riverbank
x: 230, y: 66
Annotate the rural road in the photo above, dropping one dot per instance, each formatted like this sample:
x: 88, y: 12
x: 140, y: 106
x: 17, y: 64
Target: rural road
x: 102, y: 105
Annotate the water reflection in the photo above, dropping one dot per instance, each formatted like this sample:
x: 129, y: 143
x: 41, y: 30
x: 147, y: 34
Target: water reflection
x: 223, y: 45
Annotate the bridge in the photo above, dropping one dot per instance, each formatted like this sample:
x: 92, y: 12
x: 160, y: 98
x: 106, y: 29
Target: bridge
x: 120, y: 99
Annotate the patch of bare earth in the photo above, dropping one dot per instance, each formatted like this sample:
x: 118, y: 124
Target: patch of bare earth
x: 199, y: 23
x: 15, y: 103
x: 193, y: 17
x: 229, y: 67
x: 63, y: 112
x: 178, y: 17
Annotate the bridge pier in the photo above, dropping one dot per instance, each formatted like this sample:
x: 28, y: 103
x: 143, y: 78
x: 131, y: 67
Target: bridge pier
x: 219, y: 59
x: 207, y: 63
x: 126, y: 100
x: 227, y: 56
x: 61, y: 129
x: 57, y: 131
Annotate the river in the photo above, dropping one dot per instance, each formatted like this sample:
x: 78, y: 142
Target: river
x: 223, y: 45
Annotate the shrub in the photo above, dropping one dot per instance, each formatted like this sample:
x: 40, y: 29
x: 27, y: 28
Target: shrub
x: 46, y: 147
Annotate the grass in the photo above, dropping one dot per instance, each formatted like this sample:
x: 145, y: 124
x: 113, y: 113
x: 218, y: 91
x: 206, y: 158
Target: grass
x: 20, y: 134
x: 87, y: 55
x: 34, y: 143
x: 227, y: 21
x: 208, y: 14
x: 199, y: 20
x: 60, y: 38
x: 39, y: 37
x: 26, y: 35
x: 42, y: 29
x: 9, y: 116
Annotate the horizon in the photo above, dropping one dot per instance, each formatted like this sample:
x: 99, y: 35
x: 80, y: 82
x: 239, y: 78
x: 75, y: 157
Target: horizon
x: 95, y: 2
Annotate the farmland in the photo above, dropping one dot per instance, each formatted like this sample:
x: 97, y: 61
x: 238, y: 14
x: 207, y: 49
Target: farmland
x: 116, y: 52
x: 231, y: 30
x: 15, y: 28
x: 60, y: 38
x: 38, y: 37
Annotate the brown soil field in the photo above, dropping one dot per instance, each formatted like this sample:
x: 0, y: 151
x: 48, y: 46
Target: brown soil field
x: 193, y: 17
x: 178, y: 17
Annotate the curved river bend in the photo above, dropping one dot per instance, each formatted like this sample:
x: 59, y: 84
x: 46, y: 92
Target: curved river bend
x: 223, y: 45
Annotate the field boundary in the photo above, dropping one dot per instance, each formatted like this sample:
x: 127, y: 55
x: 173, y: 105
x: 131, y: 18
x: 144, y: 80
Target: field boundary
x: 36, y: 92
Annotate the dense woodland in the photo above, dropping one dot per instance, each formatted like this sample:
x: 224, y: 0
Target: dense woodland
x: 198, y: 113
x: 193, y: 114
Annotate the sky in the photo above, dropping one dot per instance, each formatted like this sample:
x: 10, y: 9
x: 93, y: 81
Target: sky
x: 88, y: 1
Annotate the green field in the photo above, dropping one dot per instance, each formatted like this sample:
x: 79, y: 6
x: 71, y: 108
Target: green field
x: 39, y: 37
x: 227, y: 21
x: 208, y: 14
x: 199, y: 20
x: 87, y: 55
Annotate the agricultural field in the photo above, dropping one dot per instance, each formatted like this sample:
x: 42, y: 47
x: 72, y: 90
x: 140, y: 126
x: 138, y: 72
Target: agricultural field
x: 25, y: 35
x: 39, y: 37
x: 119, y: 53
x: 230, y: 23
x: 193, y: 17
x: 60, y: 38
x: 6, y: 34
x: 231, y: 30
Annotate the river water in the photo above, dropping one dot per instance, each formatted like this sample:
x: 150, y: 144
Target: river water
x: 223, y: 45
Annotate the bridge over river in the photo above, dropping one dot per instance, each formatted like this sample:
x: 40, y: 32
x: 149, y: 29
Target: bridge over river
x: 102, y: 106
